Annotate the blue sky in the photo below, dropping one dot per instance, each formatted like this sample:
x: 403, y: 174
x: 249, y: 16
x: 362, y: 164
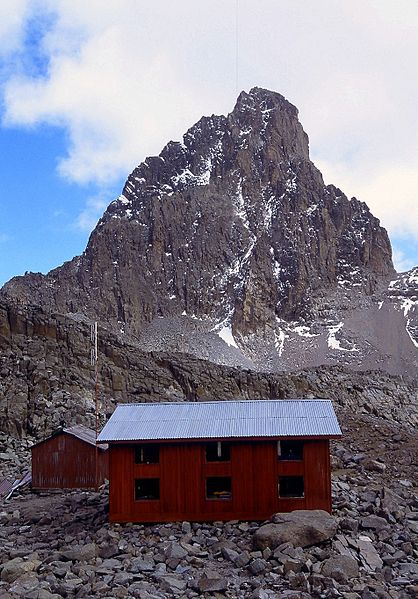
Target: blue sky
x: 89, y: 89
x: 44, y: 218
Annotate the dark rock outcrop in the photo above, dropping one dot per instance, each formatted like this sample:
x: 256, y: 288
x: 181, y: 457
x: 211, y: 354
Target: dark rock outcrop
x: 46, y: 377
x: 233, y: 224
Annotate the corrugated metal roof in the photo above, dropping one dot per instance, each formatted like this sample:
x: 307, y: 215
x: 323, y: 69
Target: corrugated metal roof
x: 222, y: 419
x: 5, y: 486
x: 82, y: 432
x: 79, y: 431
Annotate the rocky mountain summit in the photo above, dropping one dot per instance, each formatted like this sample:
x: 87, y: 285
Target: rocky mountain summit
x: 230, y: 247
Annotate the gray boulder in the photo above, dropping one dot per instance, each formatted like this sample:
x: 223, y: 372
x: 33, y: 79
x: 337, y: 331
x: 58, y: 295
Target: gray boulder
x: 302, y: 528
x: 341, y: 568
x: 175, y: 551
x: 16, y: 567
x: 80, y: 553
x: 211, y: 581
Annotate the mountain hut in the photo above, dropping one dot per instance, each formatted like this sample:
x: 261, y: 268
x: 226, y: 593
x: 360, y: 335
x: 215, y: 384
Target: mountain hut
x: 67, y: 460
x: 219, y: 460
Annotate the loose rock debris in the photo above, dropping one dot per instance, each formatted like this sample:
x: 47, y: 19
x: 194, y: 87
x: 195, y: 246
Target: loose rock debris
x: 59, y: 545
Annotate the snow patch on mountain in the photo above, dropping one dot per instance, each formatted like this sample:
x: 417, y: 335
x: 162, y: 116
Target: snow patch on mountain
x: 333, y: 342
x: 226, y: 334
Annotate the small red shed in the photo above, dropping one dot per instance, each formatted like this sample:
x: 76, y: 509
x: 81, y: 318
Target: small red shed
x: 218, y: 460
x: 67, y: 460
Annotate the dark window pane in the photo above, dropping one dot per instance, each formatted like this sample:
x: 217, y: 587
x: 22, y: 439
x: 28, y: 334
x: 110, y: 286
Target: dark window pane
x: 147, y: 488
x: 218, y: 487
x: 290, y: 450
x: 291, y: 486
x: 218, y: 452
x: 147, y: 454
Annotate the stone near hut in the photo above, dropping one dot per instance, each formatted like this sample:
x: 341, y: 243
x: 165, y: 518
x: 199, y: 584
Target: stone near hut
x: 368, y: 554
x: 174, y: 553
x: 80, y: 553
x: 242, y: 559
x: 173, y: 583
x: 229, y: 554
x: 257, y: 566
x: 341, y: 568
x: 142, y: 565
x: 373, y: 465
x: 302, y: 528
x: 374, y: 522
x: 211, y: 581
x: 16, y: 567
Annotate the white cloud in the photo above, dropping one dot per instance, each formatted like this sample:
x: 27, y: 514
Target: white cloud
x: 118, y: 90
x: 12, y: 20
x: 93, y: 210
x: 123, y: 77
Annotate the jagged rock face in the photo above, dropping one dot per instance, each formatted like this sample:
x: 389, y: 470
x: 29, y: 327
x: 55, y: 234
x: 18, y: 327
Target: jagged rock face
x: 46, y: 378
x: 234, y: 225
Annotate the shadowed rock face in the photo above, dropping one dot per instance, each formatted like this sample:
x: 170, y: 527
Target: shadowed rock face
x: 233, y: 225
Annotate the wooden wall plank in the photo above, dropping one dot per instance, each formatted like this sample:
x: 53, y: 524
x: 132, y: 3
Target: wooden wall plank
x: 254, y: 469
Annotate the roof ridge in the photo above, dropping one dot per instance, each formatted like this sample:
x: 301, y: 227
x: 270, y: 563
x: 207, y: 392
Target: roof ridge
x: 221, y: 401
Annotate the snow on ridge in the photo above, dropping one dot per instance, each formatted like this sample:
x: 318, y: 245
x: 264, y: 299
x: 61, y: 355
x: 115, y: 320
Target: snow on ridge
x: 186, y: 177
x: 311, y: 209
x: 413, y: 276
x: 407, y: 304
x: 405, y: 280
x: 303, y: 331
x: 410, y: 334
x: 239, y: 205
x: 268, y: 212
x: 279, y: 340
x: 226, y: 335
x: 333, y: 342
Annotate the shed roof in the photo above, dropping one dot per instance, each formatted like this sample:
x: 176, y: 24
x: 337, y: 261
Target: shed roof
x: 79, y: 431
x: 221, y: 419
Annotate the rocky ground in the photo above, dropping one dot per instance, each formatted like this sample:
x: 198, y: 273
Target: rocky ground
x: 57, y: 544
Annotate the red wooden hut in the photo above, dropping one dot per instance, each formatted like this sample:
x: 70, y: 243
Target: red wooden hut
x: 218, y: 460
x: 67, y: 460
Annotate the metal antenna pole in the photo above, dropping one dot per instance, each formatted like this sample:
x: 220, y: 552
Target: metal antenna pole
x: 236, y: 48
x: 94, y: 362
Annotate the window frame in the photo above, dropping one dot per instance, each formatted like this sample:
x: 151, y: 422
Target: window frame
x: 136, y: 481
x: 143, y: 447
x: 300, y: 453
x: 296, y: 476
x: 225, y: 498
x: 220, y: 446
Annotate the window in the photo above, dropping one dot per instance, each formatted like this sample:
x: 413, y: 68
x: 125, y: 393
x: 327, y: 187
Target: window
x: 218, y: 452
x: 291, y: 486
x: 290, y: 450
x: 147, y: 488
x: 147, y: 454
x: 218, y: 487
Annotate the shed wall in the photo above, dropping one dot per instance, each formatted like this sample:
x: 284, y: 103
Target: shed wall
x: 65, y: 462
x: 182, y: 470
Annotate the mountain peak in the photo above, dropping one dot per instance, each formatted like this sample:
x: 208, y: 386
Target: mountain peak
x: 265, y: 100
x: 231, y: 228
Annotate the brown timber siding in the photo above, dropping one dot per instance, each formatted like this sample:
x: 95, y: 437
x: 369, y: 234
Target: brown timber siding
x: 254, y: 469
x: 65, y: 462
